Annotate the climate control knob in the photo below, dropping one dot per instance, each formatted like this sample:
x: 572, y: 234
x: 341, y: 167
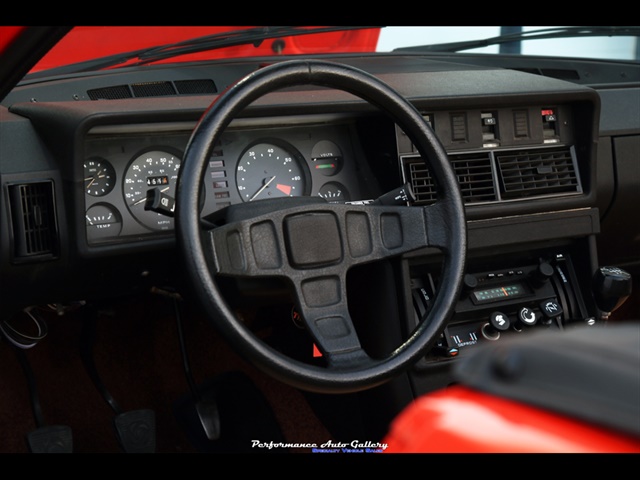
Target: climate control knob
x: 527, y: 316
x: 498, y: 322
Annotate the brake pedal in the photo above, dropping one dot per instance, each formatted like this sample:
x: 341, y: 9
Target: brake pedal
x: 136, y: 431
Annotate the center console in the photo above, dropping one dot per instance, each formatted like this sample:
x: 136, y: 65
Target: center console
x: 510, y: 300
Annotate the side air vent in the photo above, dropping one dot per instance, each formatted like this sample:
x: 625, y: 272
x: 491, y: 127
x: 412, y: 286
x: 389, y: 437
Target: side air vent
x: 35, y: 229
x: 154, y: 89
x: 474, y: 173
x: 530, y: 173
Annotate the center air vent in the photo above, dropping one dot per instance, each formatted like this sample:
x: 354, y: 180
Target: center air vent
x: 474, y: 173
x: 537, y: 172
x: 154, y: 89
x: 518, y: 174
x: 34, y: 221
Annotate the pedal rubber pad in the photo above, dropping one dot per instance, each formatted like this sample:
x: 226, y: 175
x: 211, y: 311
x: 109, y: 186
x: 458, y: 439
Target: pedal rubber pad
x: 51, y: 439
x: 137, y: 431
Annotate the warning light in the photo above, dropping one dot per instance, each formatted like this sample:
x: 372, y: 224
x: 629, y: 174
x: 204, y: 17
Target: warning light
x: 316, y: 353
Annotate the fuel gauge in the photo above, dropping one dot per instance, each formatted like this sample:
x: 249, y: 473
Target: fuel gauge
x: 102, y: 221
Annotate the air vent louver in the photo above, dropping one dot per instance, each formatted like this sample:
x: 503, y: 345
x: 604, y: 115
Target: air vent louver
x: 475, y: 177
x: 528, y: 173
x: 35, y: 229
x: 424, y: 188
x: 474, y: 173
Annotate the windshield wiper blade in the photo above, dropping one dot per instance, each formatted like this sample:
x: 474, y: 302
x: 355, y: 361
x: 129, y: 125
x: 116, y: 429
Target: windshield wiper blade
x: 229, y: 39
x: 255, y: 36
x: 527, y: 35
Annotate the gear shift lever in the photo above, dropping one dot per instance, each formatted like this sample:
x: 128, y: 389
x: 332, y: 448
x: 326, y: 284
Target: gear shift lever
x: 611, y: 287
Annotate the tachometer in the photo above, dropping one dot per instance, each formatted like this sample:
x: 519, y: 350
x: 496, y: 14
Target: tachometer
x: 271, y: 169
x: 151, y: 169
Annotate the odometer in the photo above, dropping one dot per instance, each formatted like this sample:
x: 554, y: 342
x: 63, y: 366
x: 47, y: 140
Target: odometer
x: 151, y: 169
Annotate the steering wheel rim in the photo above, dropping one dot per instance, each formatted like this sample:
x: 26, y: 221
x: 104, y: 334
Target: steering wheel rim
x: 447, y: 215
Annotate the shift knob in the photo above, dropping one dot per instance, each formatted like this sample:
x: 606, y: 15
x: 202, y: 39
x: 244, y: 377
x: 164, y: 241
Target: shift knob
x: 611, y: 287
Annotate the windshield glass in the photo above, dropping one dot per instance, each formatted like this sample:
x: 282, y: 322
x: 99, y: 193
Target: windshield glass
x: 86, y: 43
x: 578, y: 46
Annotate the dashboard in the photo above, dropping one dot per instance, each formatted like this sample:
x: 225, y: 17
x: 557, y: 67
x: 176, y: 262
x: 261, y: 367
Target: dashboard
x: 98, y: 174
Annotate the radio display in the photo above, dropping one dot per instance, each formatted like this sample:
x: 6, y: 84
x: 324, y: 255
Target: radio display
x: 500, y: 292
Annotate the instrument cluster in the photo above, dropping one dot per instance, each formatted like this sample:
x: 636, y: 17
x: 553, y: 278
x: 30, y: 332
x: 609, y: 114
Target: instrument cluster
x: 126, y: 169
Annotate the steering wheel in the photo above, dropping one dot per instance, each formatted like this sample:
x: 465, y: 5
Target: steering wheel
x: 278, y: 238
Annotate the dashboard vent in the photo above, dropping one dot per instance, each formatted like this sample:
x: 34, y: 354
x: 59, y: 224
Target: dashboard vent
x: 475, y: 177
x: 474, y: 173
x: 154, y: 89
x: 424, y: 188
x: 195, y: 87
x: 110, y: 93
x: 528, y: 173
x: 35, y: 228
x: 495, y: 176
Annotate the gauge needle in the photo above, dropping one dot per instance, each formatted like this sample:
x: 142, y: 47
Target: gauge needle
x: 266, y: 184
x: 94, y: 178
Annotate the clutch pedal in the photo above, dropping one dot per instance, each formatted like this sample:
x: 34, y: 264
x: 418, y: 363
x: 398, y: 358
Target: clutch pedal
x: 51, y: 439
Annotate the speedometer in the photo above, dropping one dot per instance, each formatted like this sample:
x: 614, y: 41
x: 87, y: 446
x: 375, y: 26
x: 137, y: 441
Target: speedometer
x: 149, y: 170
x: 271, y: 169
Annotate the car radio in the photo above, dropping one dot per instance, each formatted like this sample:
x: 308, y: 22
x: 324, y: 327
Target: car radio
x: 506, y: 301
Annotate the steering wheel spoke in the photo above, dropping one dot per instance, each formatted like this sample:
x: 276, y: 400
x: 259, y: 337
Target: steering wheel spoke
x: 322, y: 304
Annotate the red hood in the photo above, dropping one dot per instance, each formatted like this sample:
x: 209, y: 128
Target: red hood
x: 98, y: 41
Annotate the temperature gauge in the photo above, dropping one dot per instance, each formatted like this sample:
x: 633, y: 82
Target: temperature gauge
x: 102, y: 221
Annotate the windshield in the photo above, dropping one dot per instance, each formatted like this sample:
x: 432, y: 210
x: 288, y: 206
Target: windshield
x: 218, y: 42
x: 575, y: 45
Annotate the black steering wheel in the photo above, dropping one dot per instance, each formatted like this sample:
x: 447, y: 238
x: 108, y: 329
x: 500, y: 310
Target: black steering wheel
x: 278, y: 238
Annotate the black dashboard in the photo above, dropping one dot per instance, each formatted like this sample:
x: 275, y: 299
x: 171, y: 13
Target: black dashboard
x: 98, y: 157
